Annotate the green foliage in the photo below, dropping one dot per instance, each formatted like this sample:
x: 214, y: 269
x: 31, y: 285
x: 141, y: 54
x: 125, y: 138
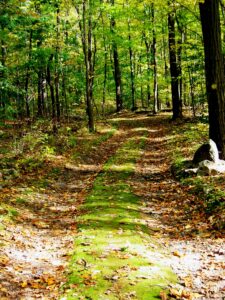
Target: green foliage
x: 29, y: 164
x: 12, y: 212
x: 28, y: 30
x: 29, y: 142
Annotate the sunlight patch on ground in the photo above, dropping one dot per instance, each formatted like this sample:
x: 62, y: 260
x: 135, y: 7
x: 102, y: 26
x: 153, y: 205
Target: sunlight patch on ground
x: 140, y: 129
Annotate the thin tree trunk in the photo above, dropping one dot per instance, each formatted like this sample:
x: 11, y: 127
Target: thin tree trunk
x: 2, y: 73
x: 179, y: 58
x: 132, y: 75
x: 51, y: 86
x: 156, y: 105
x: 177, y: 104
x: 86, y: 35
x: 148, y: 56
x: 57, y: 101
x: 28, y: 77
x: 105, y: 77
x: 117, y: 71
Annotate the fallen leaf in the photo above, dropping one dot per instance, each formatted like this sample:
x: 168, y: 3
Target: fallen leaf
x: 163, y: 295
x: 24, y: 284
x: 175, y: 293
x: 4, y: 260
x: 188, y: 282
x: 176, y: 253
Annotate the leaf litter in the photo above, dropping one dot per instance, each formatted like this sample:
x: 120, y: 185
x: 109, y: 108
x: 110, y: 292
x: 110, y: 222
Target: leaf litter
x: 35, y: 245
x: 198, y: 252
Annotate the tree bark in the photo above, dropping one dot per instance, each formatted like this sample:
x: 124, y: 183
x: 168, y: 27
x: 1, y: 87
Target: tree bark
x: 28, y: 76
x: 117, y: 71
x: 51, y: 86
x: 174, y: 72
x: 156, y: 105
x: 57, y: 49
x: 214, y: 71
x: 86, y: 26
x: 148, y: 56
x: 132, y: 75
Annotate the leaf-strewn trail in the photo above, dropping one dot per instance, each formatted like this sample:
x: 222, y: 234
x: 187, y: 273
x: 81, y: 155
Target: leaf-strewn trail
x: 128, y: 218
x: 198, y: 252
x: 35, y: 247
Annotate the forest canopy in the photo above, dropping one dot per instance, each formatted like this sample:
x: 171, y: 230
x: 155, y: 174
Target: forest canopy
x: 44, y: 44
x: 60, y: 58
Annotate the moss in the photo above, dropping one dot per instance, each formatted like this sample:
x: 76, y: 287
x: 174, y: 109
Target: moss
x: 111, y: 254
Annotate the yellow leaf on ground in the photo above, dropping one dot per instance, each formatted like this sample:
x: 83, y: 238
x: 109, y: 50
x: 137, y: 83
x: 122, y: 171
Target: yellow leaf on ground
x: 24, y: 284
x: 4, y: 260
x: 176, y: 253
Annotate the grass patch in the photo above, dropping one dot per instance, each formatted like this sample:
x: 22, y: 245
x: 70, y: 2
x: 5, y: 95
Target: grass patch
x: 112, y: 257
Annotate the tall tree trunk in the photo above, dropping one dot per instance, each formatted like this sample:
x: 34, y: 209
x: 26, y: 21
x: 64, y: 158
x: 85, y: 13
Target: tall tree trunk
x: 214, y: 70
x: 132, y: 75
x: 105, y: 77
x: 156, y: 105
x: 86, y: 26
x: 166, y: 68
x: 41, y: 75
x: 87, y: 48
x: 117, y: 71
x: 192, y: 91
x: 148, y: 56
x: 41, y: 93
x: 51, y: 86
x: 28, y: 76
x: 179, y: 57
x: 90, y: 73
x: 57, y: 101
x: 105, y: 65
x: 2, y: 74
x: 177, y: 104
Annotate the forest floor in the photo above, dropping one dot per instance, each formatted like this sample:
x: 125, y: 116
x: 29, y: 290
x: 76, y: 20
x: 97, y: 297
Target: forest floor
x: 105, y: 219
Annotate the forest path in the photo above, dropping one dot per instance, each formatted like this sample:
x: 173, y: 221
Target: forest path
x: 35, y: 244
x: 130, y: 215
x: 127, y: 245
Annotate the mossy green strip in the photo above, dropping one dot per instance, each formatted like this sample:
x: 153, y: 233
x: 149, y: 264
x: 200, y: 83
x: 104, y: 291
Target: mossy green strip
x: 112, y: 258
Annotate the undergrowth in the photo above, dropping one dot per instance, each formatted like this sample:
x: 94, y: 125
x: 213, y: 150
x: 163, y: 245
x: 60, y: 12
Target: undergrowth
x: 186, y: 139
x: 37, y: 148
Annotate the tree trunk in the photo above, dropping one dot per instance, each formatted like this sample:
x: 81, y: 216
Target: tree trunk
x: 148, y: 56
x: 41, y: 88
x: 86, y: 35
x: 174, y: 72
x: 179, y: 58
x: 214, y: 70
x: 28, y: 77
x: 57, y: 101
x: 2, y: 74
x: 132, y: 75
x: 154, y: 61
x: 117, y: 72
x: 51, y: 86
x: 105, y: 78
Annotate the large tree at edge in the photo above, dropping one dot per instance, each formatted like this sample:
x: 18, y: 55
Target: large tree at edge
x: 214, y: 70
